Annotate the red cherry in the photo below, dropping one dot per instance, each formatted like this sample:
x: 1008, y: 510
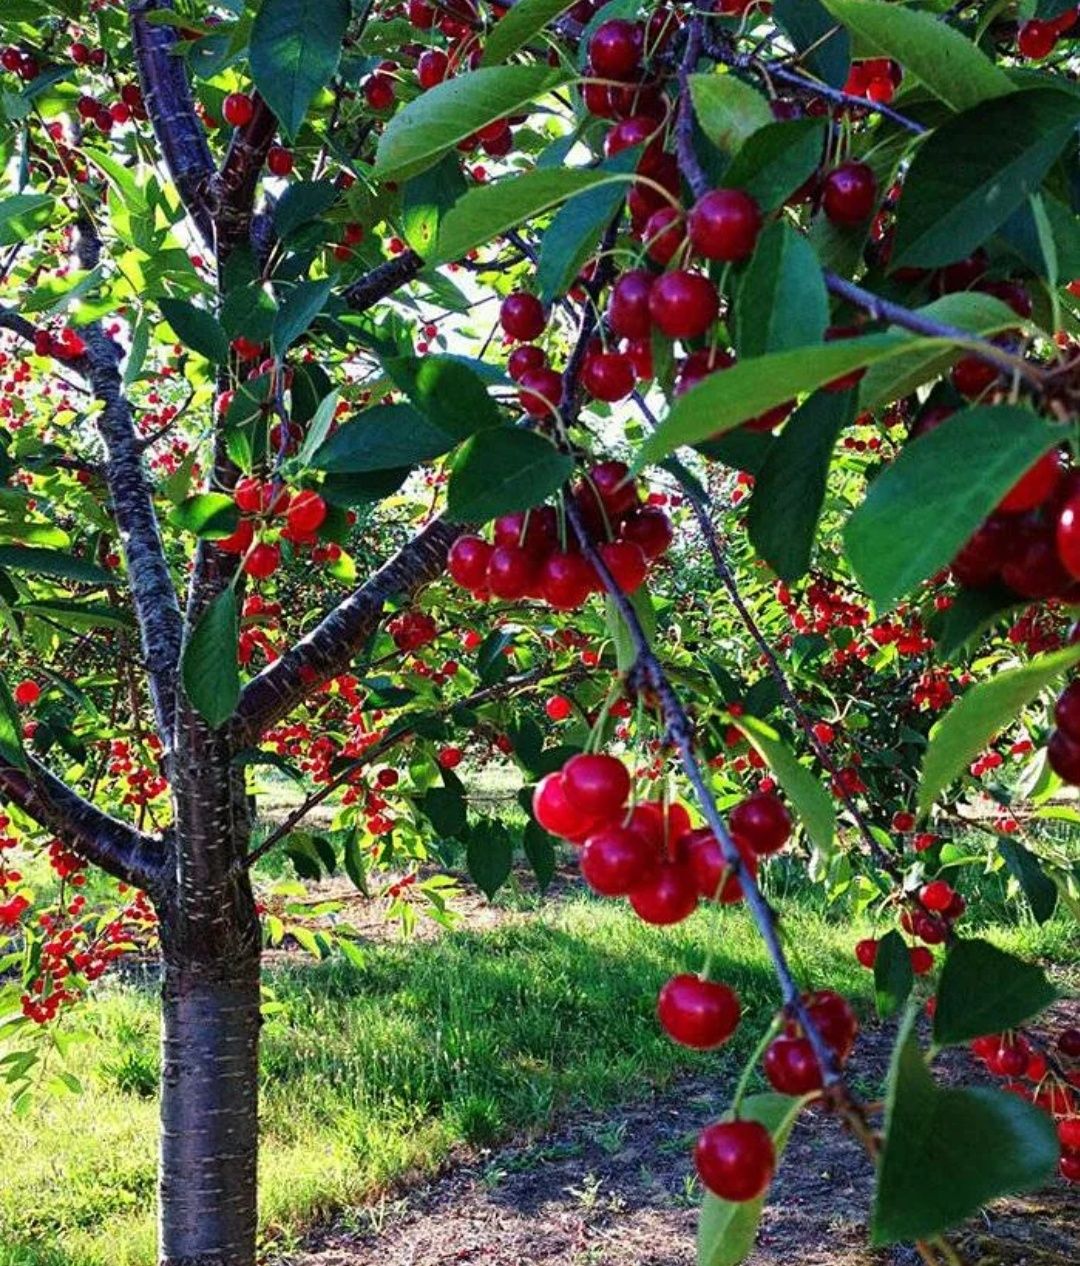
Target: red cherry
x: 724, y: 224
x: 922, y: 961
x: 306, y: 513
x: 667, y: 897
x: 705, y: 858
x: 540, y: 392
x: 849, y: 193
x: 663, y: 825
x: 432, y: 67
x: 650, y: 528
x: 762, y: 822
x: 640, y: 352
x: 683, y: 304
x: 535, y: 530
x: 834, y: 1019
x: 1063, y: 754
x: 866, y: 951
x: 566, y: 580
x: 1067, y: 711
x: 930, y: 930
x: 698, y: 1013
x: 26, y: 693
x: 524, y: 359
x: 937, y: 895
x: 628, y: 307
x: 699, y: 365
x: 1068, y: 536
x: 664, y: 234
x: 421, y: 14
x: 379, y: 92
x: 735, y: 1160
x: 468, y: 561
x: 612, y: 482
x: 555, y: 813
x: 1069, y: 1166
x: 263, y: 560
x: 608, y: 376
x: 511, y: 572
x: 638, y: 129
x: 626, y: 562
x: 558, y: 707
x: 616, y: 860
x: 450, y: 757
x: 973, y: 377
x: 1035, y: 486
x: 791, y: 1066
x: 615, y: 48
x: 1069, y: 1133
x: 597, y: 784
x: 1068, y: 1043
x: 522, y: 316
x: 238, y: 109
x: 238, y: 542
x: 279, y: 161
x: 1036, y: 39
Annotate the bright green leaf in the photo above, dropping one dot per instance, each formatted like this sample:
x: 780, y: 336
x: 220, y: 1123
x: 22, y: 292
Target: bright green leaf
x: 211, y: 515
x: 728, y: 110
x: 11, y: 744
x: 1037, y: 886
x: 518, y: 26
x: 778, y: 159
x: 811, y: 802
x: 385, y: 437
x: 47, y: 562
x: 209, y: 666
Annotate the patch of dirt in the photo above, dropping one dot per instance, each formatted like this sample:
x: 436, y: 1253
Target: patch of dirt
x: 614, y: 1190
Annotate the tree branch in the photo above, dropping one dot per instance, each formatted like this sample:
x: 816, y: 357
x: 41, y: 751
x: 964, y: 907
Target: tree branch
x: 232, y: 190
x: 115, y: 847
x: 383, y: 280
x: 684, y: 122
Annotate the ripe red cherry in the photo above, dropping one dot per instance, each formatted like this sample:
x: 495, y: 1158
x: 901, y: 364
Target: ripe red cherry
x: 263, y: 560
x: 972, y: 376
x: 524, y: 359
x: 735, y: 1160
x: 791, y: 1066
x: 608, y: 376
x: 1068, y: 536
x: 661, y: 824
x: 937, y: 895
x: 699, y: 365
x: 468, y: 561
x: 555, y: 813
x: 724, y: 224
x: 1068, y: 1043
x: 511, y: 572
x: 650, y: 528
x: 238, y: 109
x: 638, y: 129
x: 421, y: 14
x: 1067, y: 711
x: 615, y: 48
x: 540, y: 392
x: 626, y: 562
x: 558, y: 707
x: 1069, y: 1166
x: 611, y: 480
x: 834, y: 1019
x: 698, y: 1013
x: 1035, y: 486
x: 683, y: 304
x: 432, y: 67
x: 238, y: 542
x: 668, y: 896
x: 26, y: 693
x: 450, y: 757
x: 1069, y: 1133
x: 616, y: 860
x: 922, y: 961
x: 849, y: 193
x: 379, y: 92
x: 536, y: 530
x: 522, y: 316
x: 1063, y: 754
x: 566, y: 580
x: 597, y: 784
x: 664, y: 234
x: 866, y: 951
x: 306, y: 513
x: 762, y: 822
x: 628, y: 307
x: 1036, y: 39
x: 279, y: 161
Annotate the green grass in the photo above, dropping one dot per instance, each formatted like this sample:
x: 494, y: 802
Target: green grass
x: 375, y: 1073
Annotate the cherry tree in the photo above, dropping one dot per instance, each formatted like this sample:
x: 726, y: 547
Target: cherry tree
x: 300, y: 297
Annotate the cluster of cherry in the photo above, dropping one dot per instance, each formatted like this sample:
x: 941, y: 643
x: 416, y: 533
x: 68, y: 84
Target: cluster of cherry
x: 527, y: 558
x: 304, y: 513
x: 939, y: 906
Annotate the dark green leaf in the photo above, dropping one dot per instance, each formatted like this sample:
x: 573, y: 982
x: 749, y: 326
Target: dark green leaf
x: 384, y: 438
x: 949, y: 1152
x: 925, y: 506
x: 47, y: 562
x: 449, y: 393
x: 827, y: 48
x: 959, y: 190
x: 489, y: 856
x: 294, y: 51
x: 782, y: 301
x: 355, y: 862
x: 426, y: 198
x: 502, y: 470
x: 778, y: 159
x: 298, y: 309
x: 984, y: 990
x: 970, y: 614
x: 302, y: 202
x: 789, y: 488
x: 517, y: 27
x: 540, y: 850
x: 196, y: 328
x: 11, y: 744
x: 1038, y: 887
x: 444, y: 807
x: 209, y: 666
x: 893, y: 974
x: 212, y: 515
x: 358, y: 489
x: 418, y: 135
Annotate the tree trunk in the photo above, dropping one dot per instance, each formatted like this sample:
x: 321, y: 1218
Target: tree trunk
x: 209, y: 1117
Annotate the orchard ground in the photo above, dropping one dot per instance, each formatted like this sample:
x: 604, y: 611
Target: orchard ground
x: 519, y: 1055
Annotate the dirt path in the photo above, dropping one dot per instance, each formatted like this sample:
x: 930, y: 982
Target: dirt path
x: 614, y: 1190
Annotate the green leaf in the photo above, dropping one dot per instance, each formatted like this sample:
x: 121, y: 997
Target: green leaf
x: 212, y: 515
x: 487, y: 211
x: 301, y: 202
x: 47, y: 562
x: 489, y: 856
x: 11, y: 744
x: 789, y: 488
x: 196, y: 328
x: 418, y: 135
x: 943, y: 60
x: 728, y: 110
x: 208, y: 665
x: 984, y: 990
x: 449, y: 393
x: 726, y: 1231
x: 970, y: 614
x: 986, y: 708
x: 23, y: 214
x: 575, y: 232
x: 777, y: 160
x: 949, y: 1152
x: 782, y: 301
x: 1038, y: 887
x: 959, y: 190
x: 294, y: 51
x: 826, y: 49
x: 518, y: 26
x: 811, y: 802
x: 298, y: 309
x: 925, y: 506
x: 748, y: 388
x: 355, y: 862
x: 386, y: 437
x: 502, y: 470
x: 427, y: 198
x: 893, y: 974
x: 444, y: 807
x: 625, y: 653
x: 318, y: 428
x: 540, y: 851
